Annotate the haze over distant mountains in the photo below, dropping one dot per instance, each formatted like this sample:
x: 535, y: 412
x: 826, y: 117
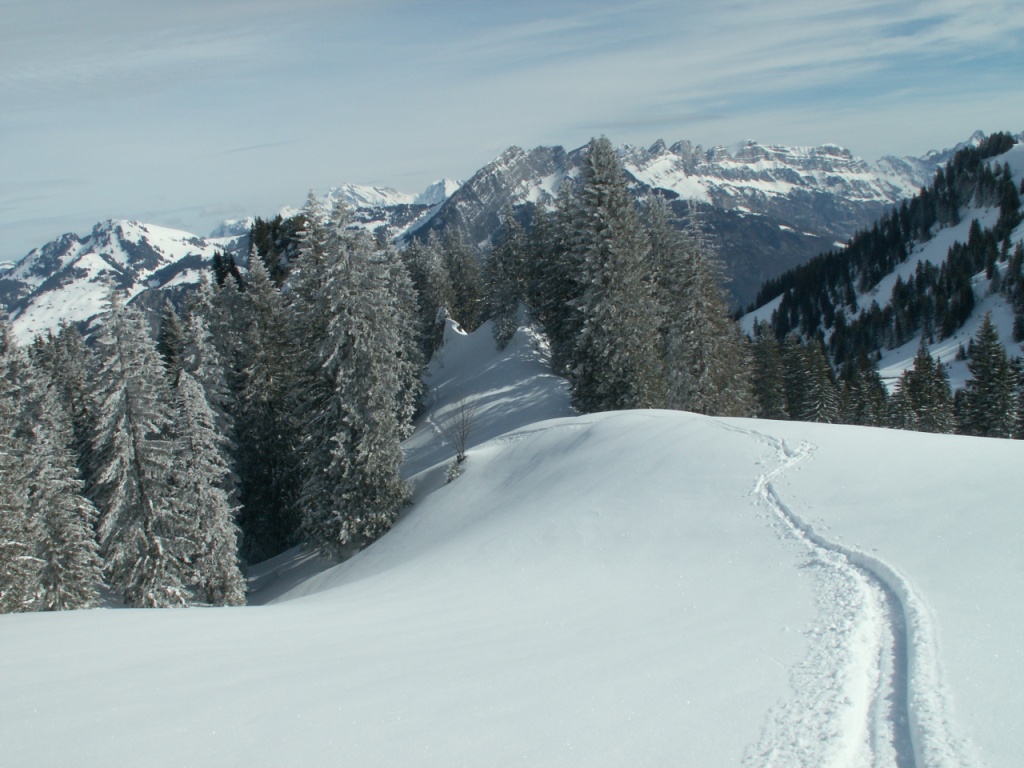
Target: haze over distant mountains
x: 767, y: 207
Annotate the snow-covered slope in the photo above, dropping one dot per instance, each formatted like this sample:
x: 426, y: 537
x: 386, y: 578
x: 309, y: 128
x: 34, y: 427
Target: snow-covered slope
x: 644, y: 588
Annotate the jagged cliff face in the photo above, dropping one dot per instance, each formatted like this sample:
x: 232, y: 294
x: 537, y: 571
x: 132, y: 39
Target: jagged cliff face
x: 515, y: 178
x: 766, y: 208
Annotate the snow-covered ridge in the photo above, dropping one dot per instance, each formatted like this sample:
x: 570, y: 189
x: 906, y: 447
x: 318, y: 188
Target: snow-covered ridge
x: 602, y: 590
x: 357, y: 196
x: 726, y: 176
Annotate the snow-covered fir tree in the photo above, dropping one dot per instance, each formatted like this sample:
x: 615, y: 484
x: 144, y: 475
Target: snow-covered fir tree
x: 201, y: 476
x: 865, y: 400
x: 19, y: 567
x: 768, y: 376
x: 69, y: 366
x: 615, y: 362
x: 170, y: 341
x: 426, y: 266
x: 811, y: 392
x: 706, y: 361
x: 504, y: 273
x: 410, y: 362
x: 352, y: 393
x: 145, y: 537
x: 70, y: 571
x: 266, y: 432
x: 463, y: 265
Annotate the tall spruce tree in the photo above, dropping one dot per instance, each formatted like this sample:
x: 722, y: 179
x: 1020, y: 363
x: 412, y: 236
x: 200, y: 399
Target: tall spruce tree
x: 264, y: 419
x: 769, y: 375
x: 70, y: 571
x: 19, y: 566
x: 504, y: 277
x: 706, y: 360
x: 811, y: 392
x: 865, y: 400
x: 201, y: 477
x: 923, y: 400
x: 69, y: 366
x: 990, y: 407
x: 410, y: 360
x: 614, y: 362
x: 433, y: 285
x: 463, y: 266
x: 145, y: 538
x: 352, y: 399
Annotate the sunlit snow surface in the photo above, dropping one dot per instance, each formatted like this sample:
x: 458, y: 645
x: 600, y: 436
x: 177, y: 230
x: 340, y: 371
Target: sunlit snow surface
x: 645, y: 588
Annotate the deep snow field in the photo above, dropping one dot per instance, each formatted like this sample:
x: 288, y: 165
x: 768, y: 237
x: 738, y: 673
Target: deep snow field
x: 645, y: 588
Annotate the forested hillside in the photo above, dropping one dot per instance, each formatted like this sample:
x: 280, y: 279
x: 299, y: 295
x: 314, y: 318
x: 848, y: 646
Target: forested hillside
x: 911, y: 279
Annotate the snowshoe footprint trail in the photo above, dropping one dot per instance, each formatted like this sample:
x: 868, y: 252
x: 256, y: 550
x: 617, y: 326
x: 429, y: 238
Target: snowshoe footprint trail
x: 857, y: 694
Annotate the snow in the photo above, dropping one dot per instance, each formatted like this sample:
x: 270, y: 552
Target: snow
x: 637, y: 588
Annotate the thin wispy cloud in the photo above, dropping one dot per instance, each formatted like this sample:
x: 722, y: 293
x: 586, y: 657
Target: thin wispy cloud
x: 249, y: 103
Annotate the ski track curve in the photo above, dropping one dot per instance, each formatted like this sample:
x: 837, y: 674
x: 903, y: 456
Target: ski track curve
x: 868, y: 693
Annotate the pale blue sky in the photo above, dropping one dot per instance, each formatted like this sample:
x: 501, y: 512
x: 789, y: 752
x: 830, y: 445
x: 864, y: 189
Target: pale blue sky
x: 185, y: 113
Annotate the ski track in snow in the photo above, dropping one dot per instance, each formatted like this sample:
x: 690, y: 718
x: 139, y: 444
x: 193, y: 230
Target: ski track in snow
x: 868, y: 691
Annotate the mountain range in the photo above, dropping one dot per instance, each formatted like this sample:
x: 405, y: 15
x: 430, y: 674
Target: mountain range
x: 767, y: 207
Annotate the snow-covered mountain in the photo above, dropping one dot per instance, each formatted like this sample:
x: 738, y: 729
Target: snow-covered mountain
x: 69, y: 278
x: 768, y: 208
x: 643, y: 588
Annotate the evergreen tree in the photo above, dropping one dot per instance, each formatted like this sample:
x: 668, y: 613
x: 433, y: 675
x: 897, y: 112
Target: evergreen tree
x: 266, y: 431
x: 504, y: 279
x: 69, y: 366
x: 433, y: 286
x: 203, y: 359
x: 821, y: 396
x: 201, y: 478
x: 352, y: 392
x: 410, y: 363
x: 171, y: 341
x: 59, y: 559
x: 614, y: 364
x: 19, y: 567
x: 990, y: 399
x: 769, y: 377
x: 144, y: 537
x: 865, y: 400
x: 463, y: 267
x: 70, y: 571
x: 923, y: 400
x: 811, y: 392
x: 555, y: 286
x: 706, y: 360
